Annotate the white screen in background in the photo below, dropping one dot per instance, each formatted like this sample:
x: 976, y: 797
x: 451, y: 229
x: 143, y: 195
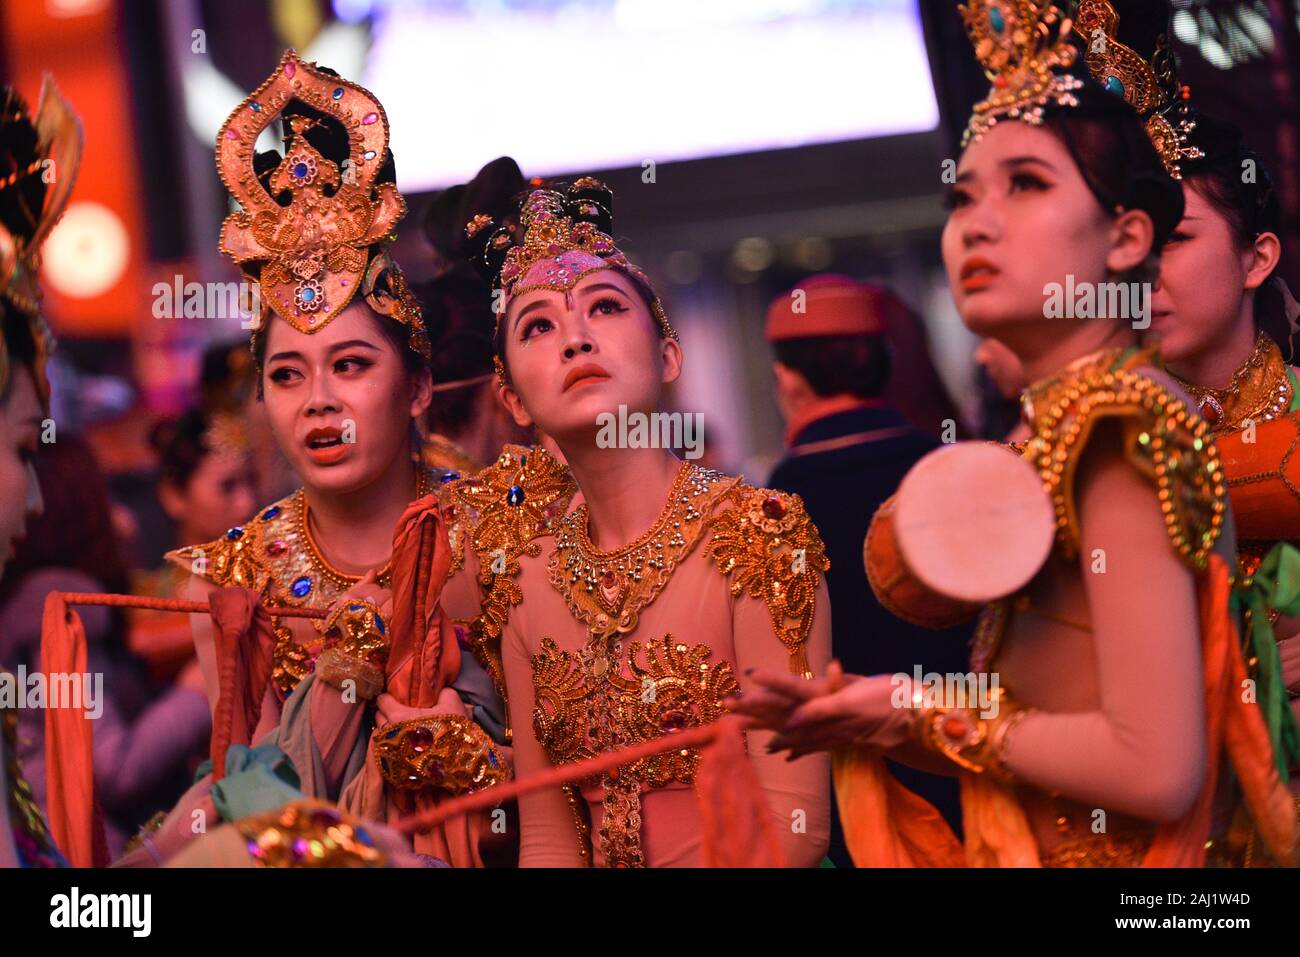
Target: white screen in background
x: 593, y: 84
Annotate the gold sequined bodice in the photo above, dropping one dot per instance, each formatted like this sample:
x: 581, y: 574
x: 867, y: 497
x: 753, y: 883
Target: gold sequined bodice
x: 615, y: 691
x: 274, y: 554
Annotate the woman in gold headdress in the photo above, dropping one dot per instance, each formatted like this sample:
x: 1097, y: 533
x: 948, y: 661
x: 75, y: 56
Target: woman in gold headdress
x: 39, y: 156
x: 1117, y: 712
x: 653, y: 598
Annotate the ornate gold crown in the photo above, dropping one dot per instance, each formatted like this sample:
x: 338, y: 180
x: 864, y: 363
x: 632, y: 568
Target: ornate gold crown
x: 1025, y: 49
x: 48, y: 146
x: 1150, y: 87
x: 314, y: 251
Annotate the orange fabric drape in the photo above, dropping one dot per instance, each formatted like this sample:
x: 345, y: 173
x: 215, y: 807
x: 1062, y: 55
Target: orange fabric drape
x: 424, y: 659
x: 75, y: 821
x: 737, y: 827
x: 245, y: 642
x: 421, y: 560
x: 886, y: 825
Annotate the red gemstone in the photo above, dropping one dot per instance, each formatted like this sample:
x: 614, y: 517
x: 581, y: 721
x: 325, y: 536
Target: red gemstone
x: 420, y: 739
x: 1210, y: 411
x: 607, y: 580
x: 277, y: 547
x: 954, y: 726
x: 774, y: 508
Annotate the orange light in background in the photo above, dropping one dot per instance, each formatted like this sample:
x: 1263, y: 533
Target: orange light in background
x: 94, y: 275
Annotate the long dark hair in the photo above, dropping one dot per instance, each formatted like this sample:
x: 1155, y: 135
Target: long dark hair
x: 1248, y: 204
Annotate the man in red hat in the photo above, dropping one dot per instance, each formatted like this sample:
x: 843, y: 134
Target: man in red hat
x: 847, y: 449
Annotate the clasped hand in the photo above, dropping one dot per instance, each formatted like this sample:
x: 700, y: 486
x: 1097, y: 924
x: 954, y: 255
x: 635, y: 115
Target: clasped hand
x: 825, y: 714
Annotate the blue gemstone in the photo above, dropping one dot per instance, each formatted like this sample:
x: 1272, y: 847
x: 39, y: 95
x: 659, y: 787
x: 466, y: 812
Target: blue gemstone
x: 301, y: 587
x: 235, y: 533
x: 356, y: 607
x: 300, y: 170
x: 364, y: 837
x: 379, y: 623
x: 523, y: 460
x: 515, y: 495
x: 492, y: 756
x: 256, y: 107
x: 995, y: 20
x: 449, y: 477
x: 1114, y: 85
x: 271, y: 513
x: 338, y: 93
x: 308, y: 294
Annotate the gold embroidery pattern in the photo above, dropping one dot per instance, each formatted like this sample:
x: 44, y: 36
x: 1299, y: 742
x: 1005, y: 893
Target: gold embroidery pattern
x: 274, y: 554
x: 585, y: 703
x: 767, y: 539
x: 308, y: 834
x: 1260, y: 391
x: 499, y: 513
x: 602, y: 588
x: 1167, y: 443
x: 442, y: 752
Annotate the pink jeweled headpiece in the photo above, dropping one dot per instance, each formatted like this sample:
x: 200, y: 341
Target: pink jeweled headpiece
x: 566, y: 237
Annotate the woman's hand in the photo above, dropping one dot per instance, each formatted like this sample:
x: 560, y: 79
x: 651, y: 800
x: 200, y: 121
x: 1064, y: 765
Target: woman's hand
x: 368, y: 589
x: 863, y: 712
x: 770, y: 705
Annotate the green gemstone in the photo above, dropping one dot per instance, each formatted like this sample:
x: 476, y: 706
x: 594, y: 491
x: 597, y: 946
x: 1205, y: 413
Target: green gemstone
x: 995, y: 20
x: 1114, y: 85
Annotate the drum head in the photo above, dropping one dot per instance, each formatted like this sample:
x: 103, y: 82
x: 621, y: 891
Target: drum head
x: 973, y: 521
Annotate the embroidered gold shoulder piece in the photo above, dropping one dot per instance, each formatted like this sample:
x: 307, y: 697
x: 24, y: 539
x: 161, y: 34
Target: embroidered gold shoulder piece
x: 769, y: 546
x: 238, y: 558
x: 1163, y: 439
x: 499, y: 513
x: 273, y: 553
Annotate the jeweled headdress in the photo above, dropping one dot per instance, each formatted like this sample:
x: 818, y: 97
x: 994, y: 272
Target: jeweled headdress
x: 1150, y: 86
x: 311, y: 222
x: 566, y: 236
x: 39, y: 157
x: 1026, y: 50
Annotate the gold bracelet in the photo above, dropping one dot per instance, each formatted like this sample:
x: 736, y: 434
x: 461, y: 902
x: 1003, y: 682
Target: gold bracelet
x: 308, y: 834
x: 441, y: 752
x: 972, y: 742
x: 356, y: 648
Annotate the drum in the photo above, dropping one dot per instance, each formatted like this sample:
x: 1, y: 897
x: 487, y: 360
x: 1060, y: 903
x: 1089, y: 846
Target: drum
x: 970, y: 523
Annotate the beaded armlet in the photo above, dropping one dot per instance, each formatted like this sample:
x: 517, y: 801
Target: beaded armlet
x: 1162, y: 438
x: 499, y: 513
x: 769, y: 546
x: 443, y: 752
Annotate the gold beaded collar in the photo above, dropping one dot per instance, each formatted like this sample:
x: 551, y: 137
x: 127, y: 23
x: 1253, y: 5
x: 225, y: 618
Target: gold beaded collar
x: 1260, y: 390
x: 1037, y: 396
x: 607, y: 589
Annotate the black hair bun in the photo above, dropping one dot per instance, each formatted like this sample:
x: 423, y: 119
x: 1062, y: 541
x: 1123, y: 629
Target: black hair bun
x: 590, y: 201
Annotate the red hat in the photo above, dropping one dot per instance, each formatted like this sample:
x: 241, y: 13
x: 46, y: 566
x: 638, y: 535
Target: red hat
x: 828, y: 305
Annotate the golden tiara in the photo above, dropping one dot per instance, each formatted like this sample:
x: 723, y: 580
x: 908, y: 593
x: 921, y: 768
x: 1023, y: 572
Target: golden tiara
x: 314, y: 251
x: 1026, y: 51
x: 1150, y: 86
